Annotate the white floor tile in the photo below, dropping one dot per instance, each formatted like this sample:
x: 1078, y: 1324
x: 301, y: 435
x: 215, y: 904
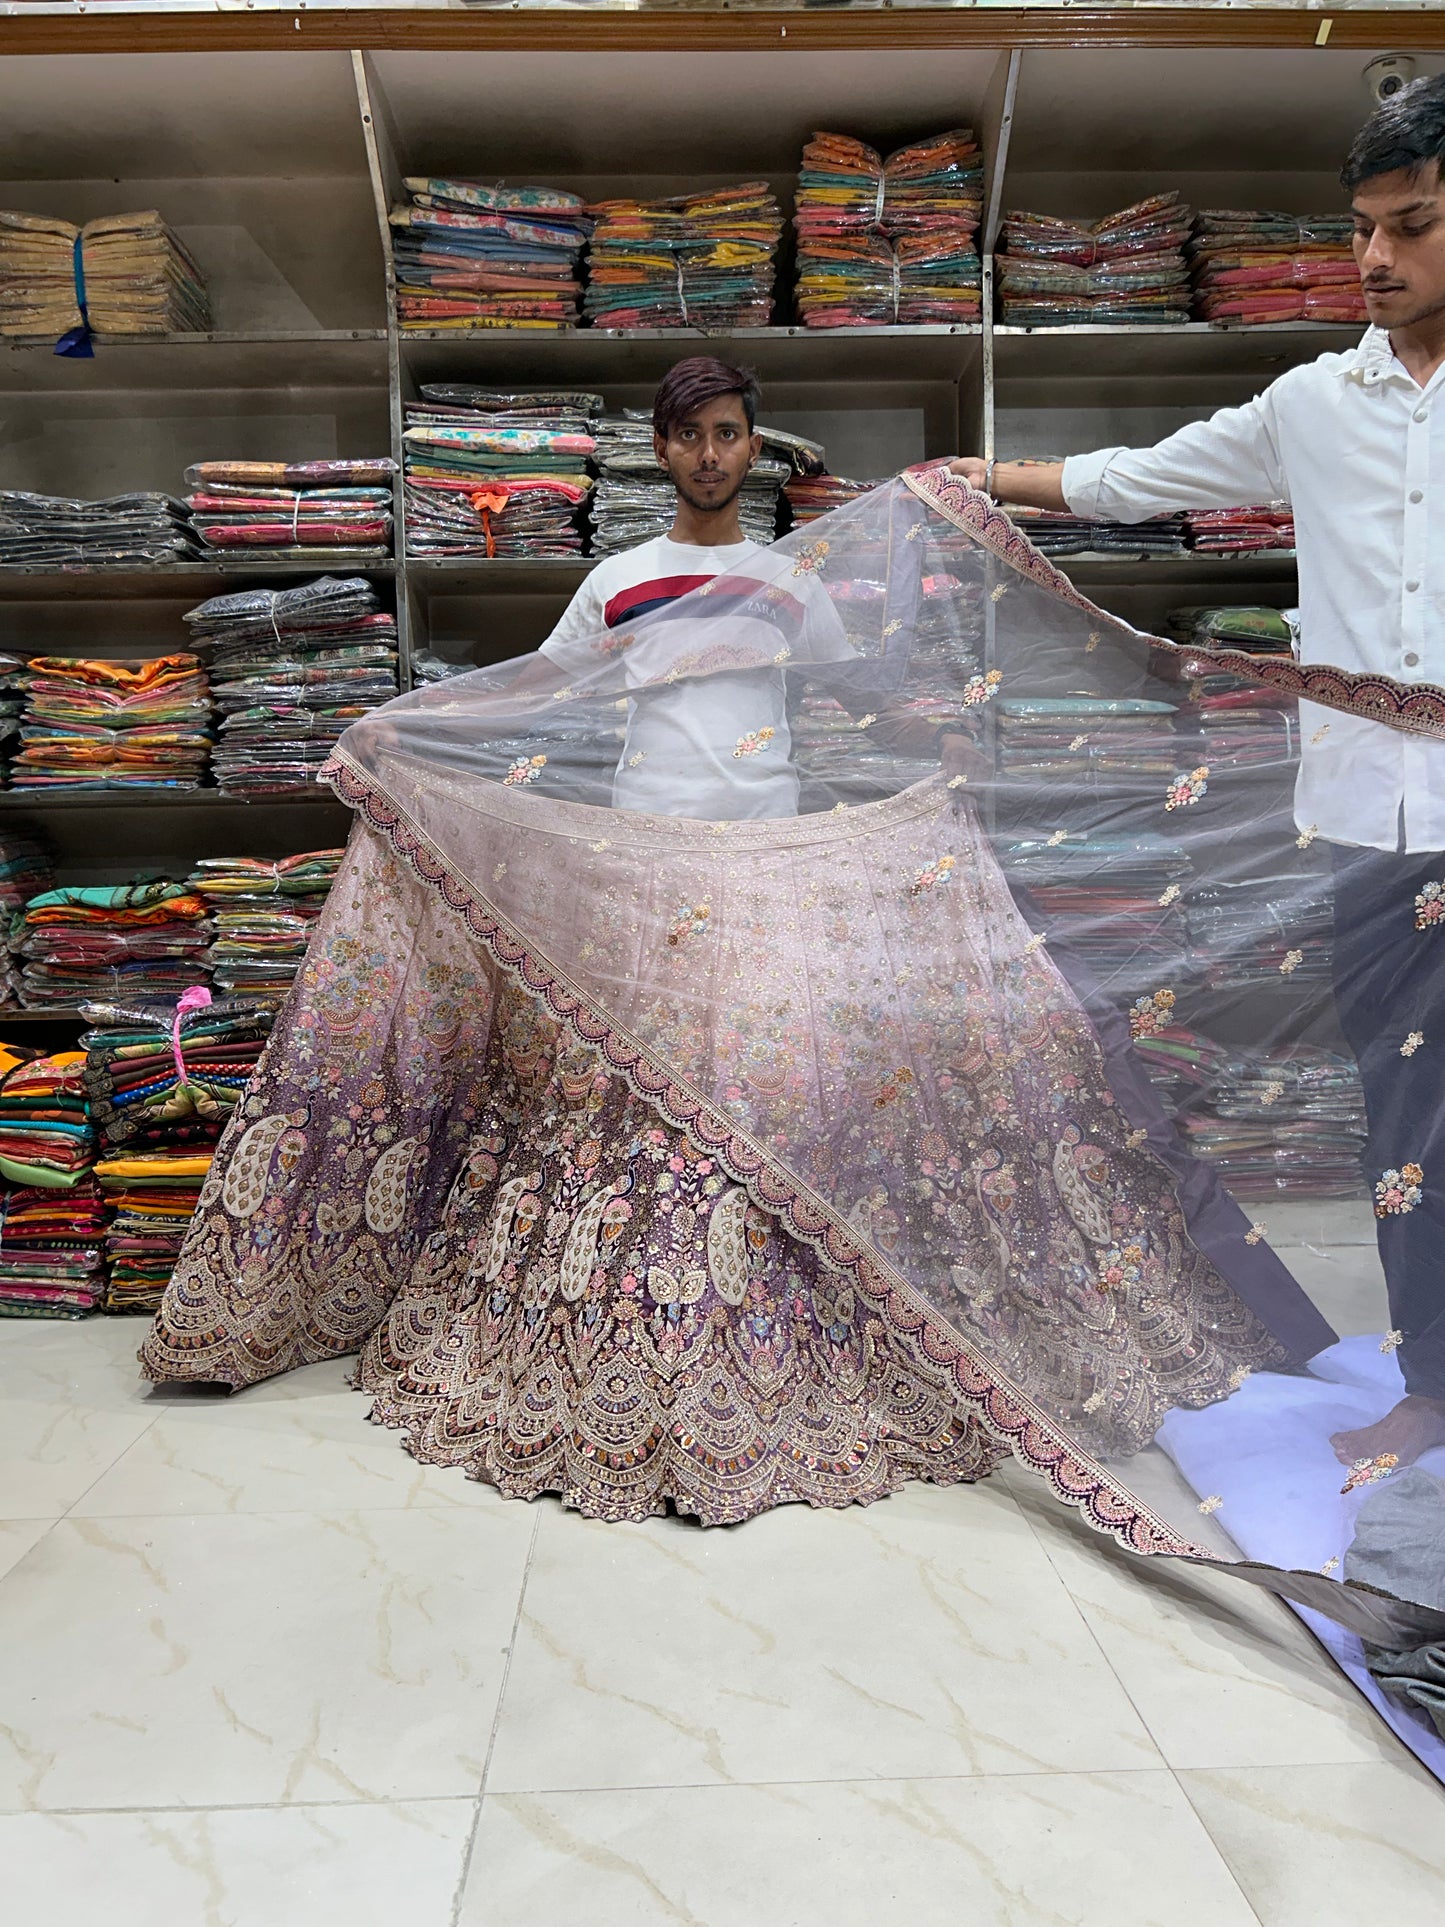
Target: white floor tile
x: 926, y: 1634
x: 1316, y: 1845
x: 212, y: 1661
x: 1102, y: 1850
x: 51, y: 1453
x: 320, y: 1866
x: 17, y: 1536
x: 1346, y: 1282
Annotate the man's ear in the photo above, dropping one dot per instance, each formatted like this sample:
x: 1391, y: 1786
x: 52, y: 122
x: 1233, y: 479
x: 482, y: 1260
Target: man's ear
x: 755, y: 448
x: 659, y: 448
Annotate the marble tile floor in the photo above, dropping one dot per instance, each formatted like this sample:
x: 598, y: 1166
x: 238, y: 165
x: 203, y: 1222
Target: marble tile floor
x: 259, y: 1669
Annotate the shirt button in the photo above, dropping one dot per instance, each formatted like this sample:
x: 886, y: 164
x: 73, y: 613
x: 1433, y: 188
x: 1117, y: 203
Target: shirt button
x: 1411, y: 586
x: 1412, y: 661
x: 1417, y: 494
x: 1422, y: 414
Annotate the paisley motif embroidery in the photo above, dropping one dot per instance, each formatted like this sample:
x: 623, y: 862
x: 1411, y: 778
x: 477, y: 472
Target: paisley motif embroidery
x: 244, y: 1191
x: 1397, y: 1192
x: 386, y: 1188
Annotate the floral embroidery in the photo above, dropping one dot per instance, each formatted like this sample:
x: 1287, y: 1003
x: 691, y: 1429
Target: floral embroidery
x: 604, y: 844
x: 499, y: 872
x: 524, y: 770
x: 866, y: 722
x: 1330, y: 1565
x: 1272, y: 1092
x: 1290, y: 962
x: 1056, y: 839
x: 1078, y: 742
x: 783, y: 654
x: 1256, y: 1232
x: 1397, y: 1192
x: 932, y: 876
x: 914, y: 533
x: 1370, y: 1471
x: 957, y: 782
x: 1412, y: 1043
x: 1430, y: 906
x: 1211, y: 1504
x: 1307, y: 836
x: 690, y: 921
x: 561, y: 695
x: 1187, y: 789
x: 1320, y: 734
x: 1092, y: 644
x: 891, y: 628
x: 1392, y: 1341
x: 1152, y: 1014
x: 978, y: 689
x: 812, y: 558
x: 1120, y: 1265
x: 612, y: 645
x: 1135, y: 1139
x: 893, y: 1086
x: 1238, y: 1376
x: 1094, y: 1402
x: 1035, y: 943
x: 1171, y: 895
x: 754, y: 741
x: 633, y: 761
x: 998, y: 594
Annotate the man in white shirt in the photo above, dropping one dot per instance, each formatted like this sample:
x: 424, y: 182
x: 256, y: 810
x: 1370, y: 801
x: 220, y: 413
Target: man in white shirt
x: 1356, y: 443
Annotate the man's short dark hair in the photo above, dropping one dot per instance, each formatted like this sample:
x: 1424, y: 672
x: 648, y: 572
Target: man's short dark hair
x: 700, y: 379
x: 1405, y: 133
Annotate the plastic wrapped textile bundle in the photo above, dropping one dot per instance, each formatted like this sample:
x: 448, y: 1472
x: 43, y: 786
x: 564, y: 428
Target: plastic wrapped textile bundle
x: 1262, y: 931
x: 145, y: 1079
x: 889, y: 242
x: 634, y: 501
x: 51, y: 1249
x: 107, y: 724
x: 1241, y: 531
x: 1126, y: 268
x: 137, y: 276
x: 809, y: 496
x: 294, y: 508
x: 1241, y: 726
x: 473, y: 254
x: 264, y: 916
x: 60, y: 532
x: 46, y: 1136
x: 1115, y: 900
x: 25, y: 870
x: 497, y: 474
x: 1288, y: 1122
x: 153, y: 1197
x: 138, y: 939
x: 1259, y: 267
x: 1103, y: 738
x: 290, y: 669
x: 1056, y: 533
x: 1259, y: 629
x: 702, y: 260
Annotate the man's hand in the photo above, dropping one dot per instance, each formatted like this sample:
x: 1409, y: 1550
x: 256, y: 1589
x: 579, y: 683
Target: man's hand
x: 961, y: 756
x: 973, y: 469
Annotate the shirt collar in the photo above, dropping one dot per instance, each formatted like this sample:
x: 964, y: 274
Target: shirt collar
x: 1373, y: 360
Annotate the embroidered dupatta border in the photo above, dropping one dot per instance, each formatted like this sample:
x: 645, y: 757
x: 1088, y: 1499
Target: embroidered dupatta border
x: 1415, y: 708
x: 1003, y: 1410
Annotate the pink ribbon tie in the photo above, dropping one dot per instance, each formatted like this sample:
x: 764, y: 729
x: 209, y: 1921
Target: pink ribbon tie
x: 196, y: 998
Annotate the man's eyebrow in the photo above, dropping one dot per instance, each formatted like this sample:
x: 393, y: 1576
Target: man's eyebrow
x: 1408, y: 207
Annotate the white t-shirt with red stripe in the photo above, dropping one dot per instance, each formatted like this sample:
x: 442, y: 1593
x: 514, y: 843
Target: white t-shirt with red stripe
x: 689, y: 747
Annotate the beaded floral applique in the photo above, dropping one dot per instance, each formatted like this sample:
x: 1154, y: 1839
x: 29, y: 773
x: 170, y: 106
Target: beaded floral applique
x: 755, y: 741
x: 978, y: 689
x: 1397, y: 1192
x: 893, y: 1086
x: 1290, y: 962
x: 1152, y: 1014
x: 524, y: 770
x: 1370, y: 1471
x: 691, y: 921
x: 1412, y: 1043
x: 1211, y: 1504
x: 1392, y: 1341
x: 932, y: 876
x: 1430, y: 906
x: 811, y: 558
x: 1187, y: 788
x: 1120, y: 1265
x: 1307, y: 836
x: 1171, y: 895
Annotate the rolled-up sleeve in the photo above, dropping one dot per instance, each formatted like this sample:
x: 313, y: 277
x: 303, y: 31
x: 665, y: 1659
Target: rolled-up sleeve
x: 1228, y: 461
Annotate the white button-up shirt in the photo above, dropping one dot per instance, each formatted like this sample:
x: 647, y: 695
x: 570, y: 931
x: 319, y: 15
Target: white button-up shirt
x: 1354, y: 445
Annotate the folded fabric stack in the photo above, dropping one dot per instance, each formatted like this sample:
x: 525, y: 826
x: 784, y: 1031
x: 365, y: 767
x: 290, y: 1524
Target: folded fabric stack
x: 1268, y: 930
x: 810, y: 496
x: 1116, y: 900
x: 1054, y: 533
x: 495, y: 474
x: 12, y: 698
x: 294, y: 508
x: 51, y: 1249
x: 1260, y: 630
x: 46, y: 1136
x: 290, y: 670
x: 137, y: 277
x: 161, y: 1087
x: 1288, y: 1123
x: 1127, y: 268
x: 264, y: 915
x: 101, y: 725
x: 697, y: 261
x: 889, y: 242
x: 59, y: 532
x: 1098, y: 740
x: 635, y: 501
x: 1241, y: 531
x: 473, y: 255
x: 1242, y: 725
x: 138, y: 939
x: 1259, y: 267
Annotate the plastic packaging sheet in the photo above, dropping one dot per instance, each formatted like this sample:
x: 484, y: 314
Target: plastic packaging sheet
x: 701, y: 260
x: 842, y: 1028
x: 491, y: 473
x: 474, y: 255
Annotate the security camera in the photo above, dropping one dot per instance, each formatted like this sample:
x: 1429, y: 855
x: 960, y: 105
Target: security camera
x: 1388, y: 75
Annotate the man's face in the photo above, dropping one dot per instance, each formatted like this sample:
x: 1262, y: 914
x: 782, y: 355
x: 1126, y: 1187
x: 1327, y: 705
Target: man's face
x: 1400, y: 245
x: 708, y: 453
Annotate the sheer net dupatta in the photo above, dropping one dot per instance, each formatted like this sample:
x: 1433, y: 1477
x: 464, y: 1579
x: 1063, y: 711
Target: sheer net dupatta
x: 855, y: 1016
